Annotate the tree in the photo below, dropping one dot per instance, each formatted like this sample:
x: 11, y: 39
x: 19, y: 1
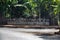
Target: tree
x: 5, y: 8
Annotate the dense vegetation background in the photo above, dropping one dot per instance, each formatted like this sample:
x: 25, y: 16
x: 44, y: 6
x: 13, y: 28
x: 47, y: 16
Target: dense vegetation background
x: 48, y: 9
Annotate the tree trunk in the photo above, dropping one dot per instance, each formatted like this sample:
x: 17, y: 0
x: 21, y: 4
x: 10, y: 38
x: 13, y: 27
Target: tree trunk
x: 2, y: 19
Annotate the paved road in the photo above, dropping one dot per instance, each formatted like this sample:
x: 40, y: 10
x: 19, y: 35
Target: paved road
x: 8, y: 34
x: 12, y: 35
x: 32, y: 30
x: 52, y: 37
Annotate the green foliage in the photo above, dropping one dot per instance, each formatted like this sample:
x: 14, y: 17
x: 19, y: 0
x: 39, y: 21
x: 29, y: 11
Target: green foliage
x: 5, y: 7
x: 26, y: 8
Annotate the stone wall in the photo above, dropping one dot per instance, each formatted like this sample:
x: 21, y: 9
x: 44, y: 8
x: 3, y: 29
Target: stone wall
x: 25, y: 21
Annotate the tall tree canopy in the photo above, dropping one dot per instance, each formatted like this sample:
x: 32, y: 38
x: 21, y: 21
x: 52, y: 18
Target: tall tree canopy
x: 48, y: 9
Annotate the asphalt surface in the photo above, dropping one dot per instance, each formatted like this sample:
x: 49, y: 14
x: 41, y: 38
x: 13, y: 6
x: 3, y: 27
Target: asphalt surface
x: 12, y: 34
